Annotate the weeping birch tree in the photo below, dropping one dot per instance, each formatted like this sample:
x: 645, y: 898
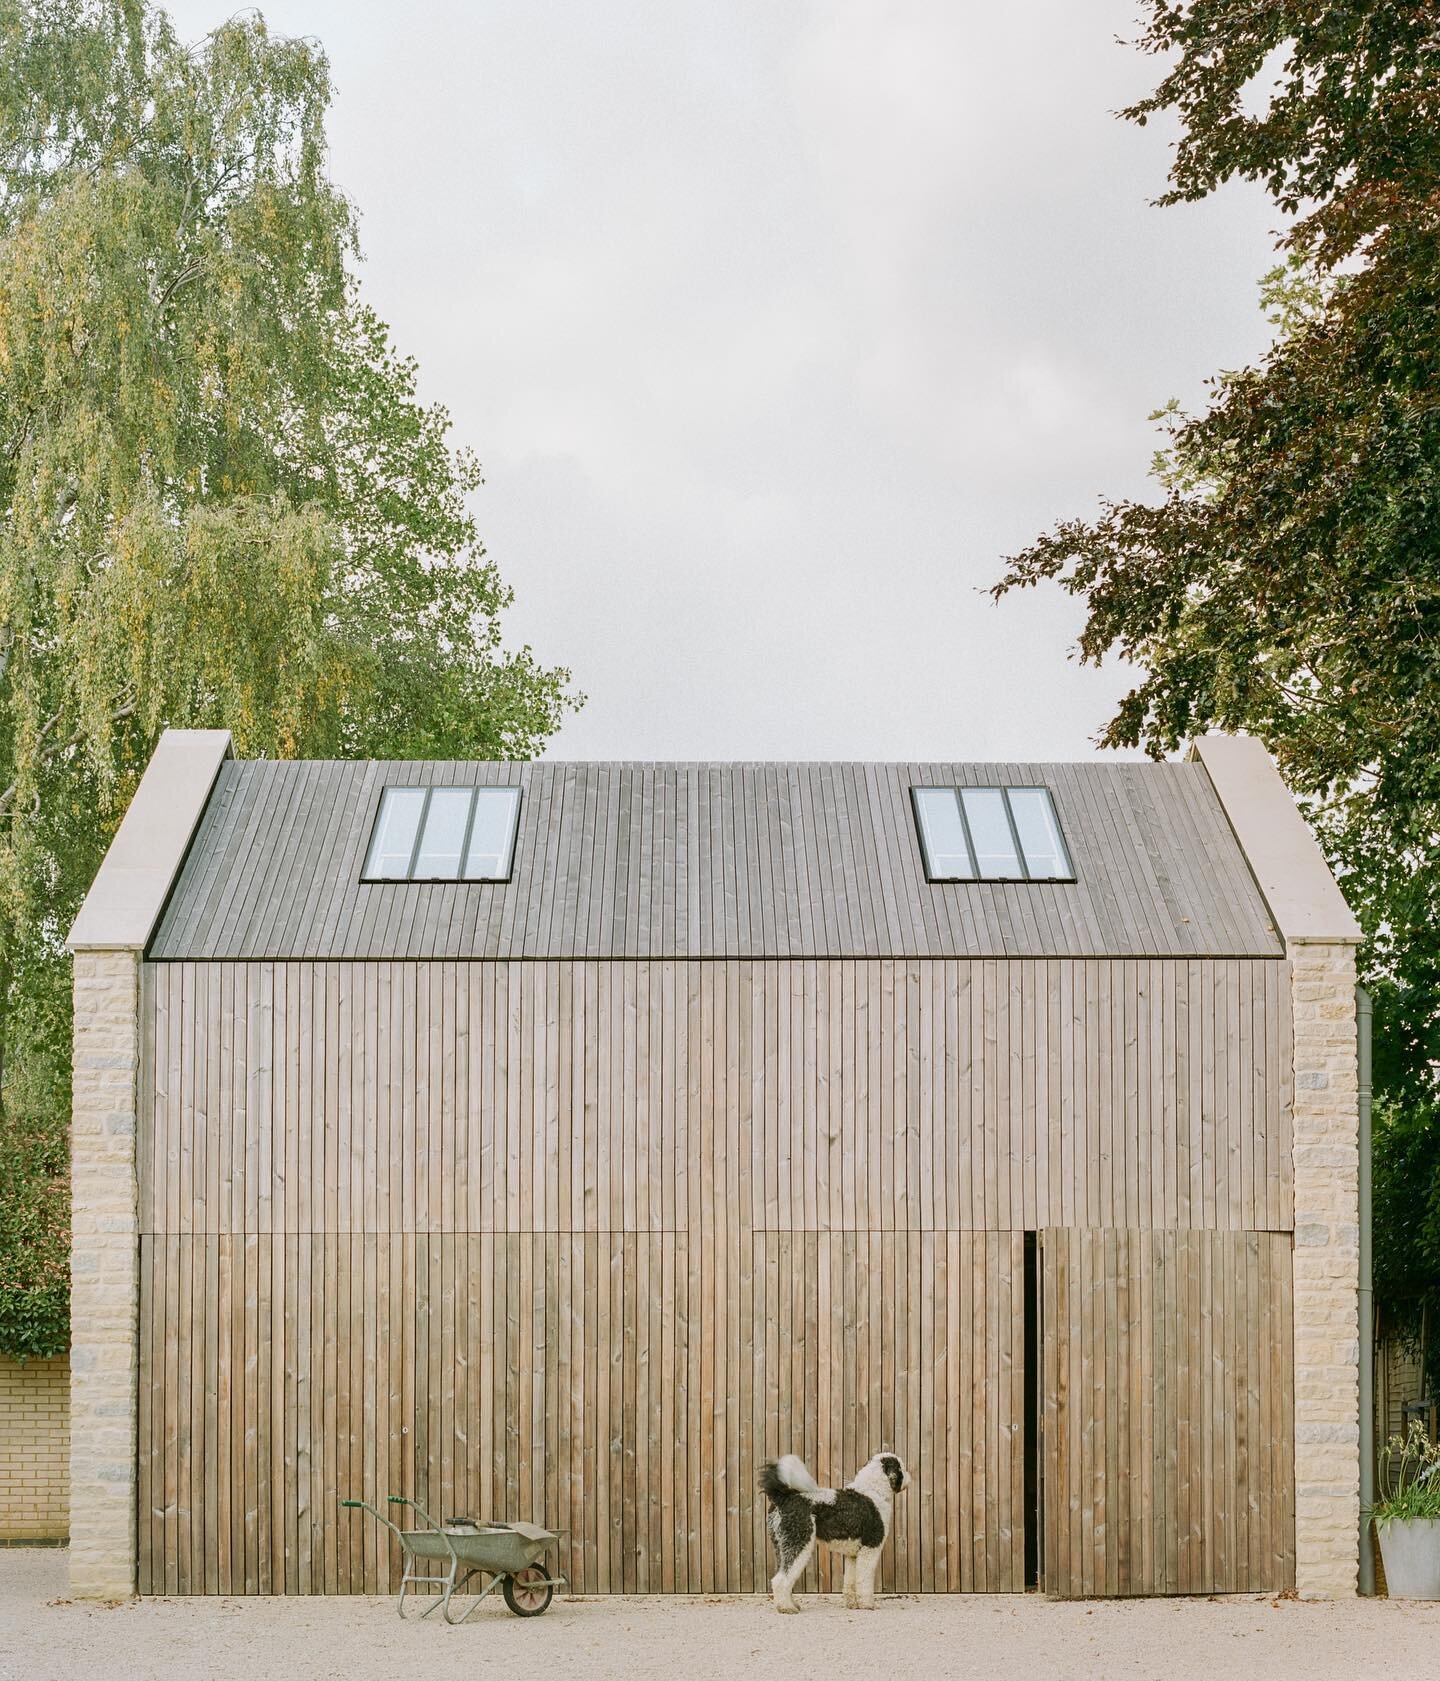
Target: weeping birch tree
x: 221, y: 503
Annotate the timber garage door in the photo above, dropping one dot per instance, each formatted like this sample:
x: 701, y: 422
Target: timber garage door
x: 1167, y: 1464
x: 622, y: 1386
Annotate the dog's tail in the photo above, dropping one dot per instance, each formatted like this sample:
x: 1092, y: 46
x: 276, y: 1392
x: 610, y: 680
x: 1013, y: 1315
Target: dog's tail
x: 780, y: 1478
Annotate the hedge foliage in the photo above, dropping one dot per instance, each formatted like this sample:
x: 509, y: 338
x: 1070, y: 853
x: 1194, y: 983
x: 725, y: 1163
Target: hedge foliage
x: 34, y: 1162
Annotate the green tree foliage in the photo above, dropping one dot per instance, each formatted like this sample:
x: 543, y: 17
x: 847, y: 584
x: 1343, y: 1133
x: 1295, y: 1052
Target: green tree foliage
x: 1286, y: 582
x: 1406, y: 1205
x: 221, y: 503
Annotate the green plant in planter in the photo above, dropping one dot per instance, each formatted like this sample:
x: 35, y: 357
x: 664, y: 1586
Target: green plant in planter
x: 1409, y: 1477
x: 1407, y: 1515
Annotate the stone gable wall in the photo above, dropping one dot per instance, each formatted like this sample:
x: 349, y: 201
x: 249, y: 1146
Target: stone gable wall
x: 105, y: 1277
x: 1327, y: 1272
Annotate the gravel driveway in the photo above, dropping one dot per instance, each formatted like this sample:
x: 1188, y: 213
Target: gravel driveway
x: 44, y: 1638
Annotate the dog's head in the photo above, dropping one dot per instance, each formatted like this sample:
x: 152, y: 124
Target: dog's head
x: 895, y: 1471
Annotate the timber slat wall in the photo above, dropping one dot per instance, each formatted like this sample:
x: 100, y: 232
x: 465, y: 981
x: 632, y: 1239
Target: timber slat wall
x: 619, y: 1385
x: 583, y: 1242
x: 814, y: 1096
x: 1169, y: 1419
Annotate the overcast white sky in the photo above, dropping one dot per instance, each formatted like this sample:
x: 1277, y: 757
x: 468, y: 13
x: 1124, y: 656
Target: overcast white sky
x: 776, y: 325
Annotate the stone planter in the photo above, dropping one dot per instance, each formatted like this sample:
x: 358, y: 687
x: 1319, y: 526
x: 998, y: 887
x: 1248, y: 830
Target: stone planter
x: 1410, y: 1548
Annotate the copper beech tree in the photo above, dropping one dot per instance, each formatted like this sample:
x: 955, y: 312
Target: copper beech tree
x: 1285, y: 580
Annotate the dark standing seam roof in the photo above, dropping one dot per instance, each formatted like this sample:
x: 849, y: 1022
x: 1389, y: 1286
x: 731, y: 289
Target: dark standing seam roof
x: 712, y: 860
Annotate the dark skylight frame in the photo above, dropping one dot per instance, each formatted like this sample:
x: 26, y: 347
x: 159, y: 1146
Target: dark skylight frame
x: 443, y: 834
x: 975, y: 834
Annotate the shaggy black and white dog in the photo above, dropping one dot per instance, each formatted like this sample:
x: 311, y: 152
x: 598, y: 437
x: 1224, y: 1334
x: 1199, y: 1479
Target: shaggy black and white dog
x: 853, y: 1521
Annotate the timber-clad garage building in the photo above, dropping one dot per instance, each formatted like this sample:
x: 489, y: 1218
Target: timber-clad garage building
x: 557, y: 1141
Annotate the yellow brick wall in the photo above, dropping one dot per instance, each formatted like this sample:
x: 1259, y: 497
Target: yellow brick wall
x: 34, y: 1449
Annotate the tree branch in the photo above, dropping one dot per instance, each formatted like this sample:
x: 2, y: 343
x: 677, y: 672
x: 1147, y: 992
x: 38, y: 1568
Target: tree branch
x: 58, y: 747
x: 185, y: 276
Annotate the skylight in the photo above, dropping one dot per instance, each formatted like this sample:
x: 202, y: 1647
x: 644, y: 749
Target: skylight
x: 444, y: 834
x: 990, y: 834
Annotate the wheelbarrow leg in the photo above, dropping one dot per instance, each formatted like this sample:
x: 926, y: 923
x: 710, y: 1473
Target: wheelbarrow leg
x: 407, y: 1557
x: 470, y: 1611
x: 411, y: 1576
x: 447, y: 1588
x: 446, y: 1582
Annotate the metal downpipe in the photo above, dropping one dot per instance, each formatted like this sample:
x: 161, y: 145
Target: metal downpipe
x: 1363, y: 1016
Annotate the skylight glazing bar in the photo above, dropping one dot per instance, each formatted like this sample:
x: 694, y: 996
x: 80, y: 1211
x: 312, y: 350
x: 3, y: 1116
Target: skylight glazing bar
x: 419, y: 835
x: 469, y: 825
x: 969, y: 838
x: 1015, y: 834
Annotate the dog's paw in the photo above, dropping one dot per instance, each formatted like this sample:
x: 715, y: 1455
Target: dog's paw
x: 865, y: 1604
x: 788, y: 1609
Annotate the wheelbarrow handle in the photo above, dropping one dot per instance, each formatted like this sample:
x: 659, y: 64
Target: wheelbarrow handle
x: 420, y: 1512
x: 375, y: 1512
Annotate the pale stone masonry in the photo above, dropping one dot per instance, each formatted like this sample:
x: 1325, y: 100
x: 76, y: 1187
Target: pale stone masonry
x: 104, y: 1276
x: 1327, y: 1271
x: 1320, y: 936
x: 34, y: 1449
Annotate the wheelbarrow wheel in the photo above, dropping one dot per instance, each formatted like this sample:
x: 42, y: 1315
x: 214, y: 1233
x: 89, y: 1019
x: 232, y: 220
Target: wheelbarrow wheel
x: 528, y: 1592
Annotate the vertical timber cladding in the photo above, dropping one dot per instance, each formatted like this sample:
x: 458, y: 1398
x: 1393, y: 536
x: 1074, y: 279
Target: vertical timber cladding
x: 1168, y: 1465
x: 583, y: 1241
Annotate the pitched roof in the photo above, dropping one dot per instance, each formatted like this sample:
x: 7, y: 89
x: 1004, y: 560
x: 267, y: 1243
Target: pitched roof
x: 712, y: 860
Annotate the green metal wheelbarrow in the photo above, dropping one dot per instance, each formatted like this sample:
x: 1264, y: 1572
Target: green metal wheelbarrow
x: 505, y: 1552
